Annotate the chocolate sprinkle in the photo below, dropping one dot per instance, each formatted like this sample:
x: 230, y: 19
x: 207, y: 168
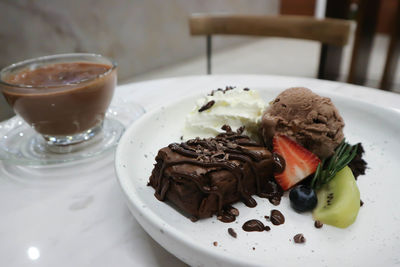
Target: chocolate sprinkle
x: 207, y: 106
x: 232, y: 232
x: 361, y: 203
x: 299, y: 238
x: 215, y: 243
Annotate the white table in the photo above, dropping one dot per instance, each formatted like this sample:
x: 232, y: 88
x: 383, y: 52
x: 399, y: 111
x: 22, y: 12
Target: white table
x: 76, y: 216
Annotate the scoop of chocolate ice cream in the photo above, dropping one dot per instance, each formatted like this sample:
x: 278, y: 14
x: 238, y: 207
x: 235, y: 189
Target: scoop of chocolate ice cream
x: 311, y: 120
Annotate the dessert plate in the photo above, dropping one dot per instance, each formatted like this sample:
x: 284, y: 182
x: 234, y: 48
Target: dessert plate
x: 373, y: 240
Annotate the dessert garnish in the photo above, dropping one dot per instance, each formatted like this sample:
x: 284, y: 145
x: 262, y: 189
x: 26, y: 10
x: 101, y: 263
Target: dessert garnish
x: 338, y: 200
x: 299, y: 161
x: 327, y: 169
x: 302, y: 198
x: 337, y: 192
x: 332, y: 193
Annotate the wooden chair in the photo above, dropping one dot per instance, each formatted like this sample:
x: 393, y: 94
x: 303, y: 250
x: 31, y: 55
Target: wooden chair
x: 393, y: 55
x: 332, y: 32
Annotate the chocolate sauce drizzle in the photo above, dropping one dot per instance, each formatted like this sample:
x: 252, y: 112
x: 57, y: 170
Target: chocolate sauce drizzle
x: 280, y: 163
x: 255, y: 226
x: 276, y: 217
x: 228, y: 151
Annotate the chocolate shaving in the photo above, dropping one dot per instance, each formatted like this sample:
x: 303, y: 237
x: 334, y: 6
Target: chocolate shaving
x: 240, y: 130
x: 207, y: 106
x: 227, y: 88
x: 226, y: 128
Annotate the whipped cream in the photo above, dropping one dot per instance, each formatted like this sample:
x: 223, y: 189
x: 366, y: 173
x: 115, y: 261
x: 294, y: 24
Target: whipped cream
x: 233, y: 107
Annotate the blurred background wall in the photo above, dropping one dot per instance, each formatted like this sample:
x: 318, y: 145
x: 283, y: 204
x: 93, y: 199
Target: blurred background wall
x: 140, y: 35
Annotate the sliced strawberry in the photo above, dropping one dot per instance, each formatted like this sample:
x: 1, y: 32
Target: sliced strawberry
x: 300, y: 162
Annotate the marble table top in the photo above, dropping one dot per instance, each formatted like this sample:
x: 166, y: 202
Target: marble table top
x: 75, y: 215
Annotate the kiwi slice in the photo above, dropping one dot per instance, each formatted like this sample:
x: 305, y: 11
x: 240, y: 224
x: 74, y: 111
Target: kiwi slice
x: 338, y: 200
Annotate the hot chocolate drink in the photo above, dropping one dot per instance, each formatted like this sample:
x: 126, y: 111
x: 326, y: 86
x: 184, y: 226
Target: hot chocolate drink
x: 61, y: 99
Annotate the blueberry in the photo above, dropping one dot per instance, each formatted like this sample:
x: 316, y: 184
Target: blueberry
x: 302, y: 198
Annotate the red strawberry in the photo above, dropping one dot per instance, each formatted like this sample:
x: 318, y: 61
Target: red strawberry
x: 299, y: 161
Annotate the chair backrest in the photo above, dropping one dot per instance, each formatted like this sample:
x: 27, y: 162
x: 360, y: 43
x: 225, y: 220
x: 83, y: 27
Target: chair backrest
x: 330, y: 32
x: 327, y: 31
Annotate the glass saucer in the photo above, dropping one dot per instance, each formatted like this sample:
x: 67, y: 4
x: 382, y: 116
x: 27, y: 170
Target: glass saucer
x: 21, y: 145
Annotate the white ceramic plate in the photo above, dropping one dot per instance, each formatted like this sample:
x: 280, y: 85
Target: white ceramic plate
x: 373, y: 240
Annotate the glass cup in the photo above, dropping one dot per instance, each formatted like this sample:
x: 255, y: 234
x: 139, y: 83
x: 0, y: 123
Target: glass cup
x: 62, y: 97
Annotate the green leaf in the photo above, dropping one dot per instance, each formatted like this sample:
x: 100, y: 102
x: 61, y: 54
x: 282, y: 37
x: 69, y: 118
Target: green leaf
x: 326, y: 170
